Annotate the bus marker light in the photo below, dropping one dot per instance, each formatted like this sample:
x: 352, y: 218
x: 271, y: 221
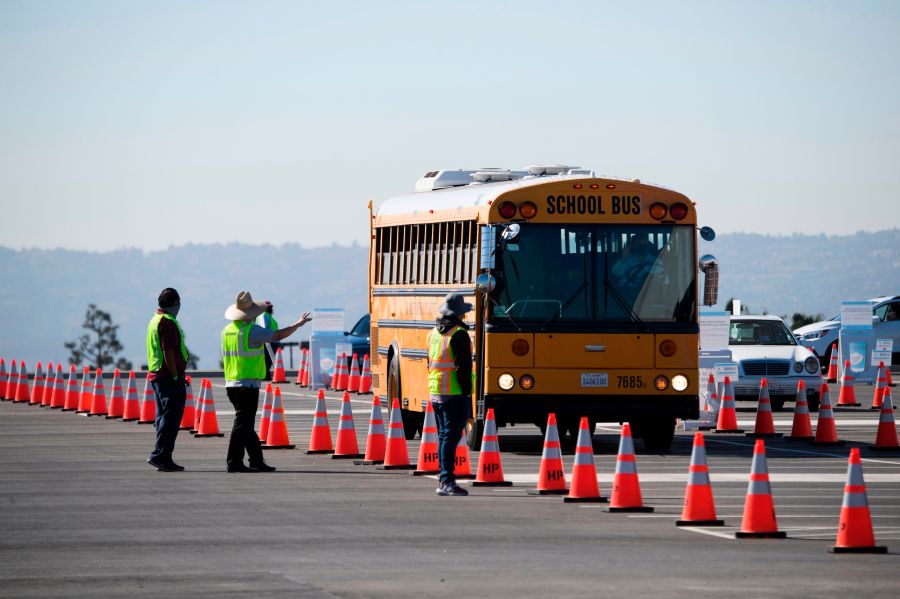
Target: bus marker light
x: 668, y: 348
x: 526, y: 381
x: 661, y: 383
x: 610, y: 186
x: 528, y: 210
x: 595, y: 186
x: 507, y: 210
x: 520, y: 347
x: 506, y: 381
x: 658, y: 210
x: 577, y: 186
x: 679, y: 382
x: 678, y: 211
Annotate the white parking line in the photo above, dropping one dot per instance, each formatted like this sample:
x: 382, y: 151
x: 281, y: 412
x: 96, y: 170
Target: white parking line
x: 734, y: 477
x: 785, y: 449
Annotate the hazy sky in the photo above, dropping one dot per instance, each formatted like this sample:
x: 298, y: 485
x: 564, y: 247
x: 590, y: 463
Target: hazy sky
x: 147, y: 124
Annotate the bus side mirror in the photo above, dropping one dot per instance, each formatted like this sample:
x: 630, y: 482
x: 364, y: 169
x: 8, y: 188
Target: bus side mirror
x: 485, y: 283
x: 710, y: 268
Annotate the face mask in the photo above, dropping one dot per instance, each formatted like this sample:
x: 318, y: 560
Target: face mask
x: 173, y: 310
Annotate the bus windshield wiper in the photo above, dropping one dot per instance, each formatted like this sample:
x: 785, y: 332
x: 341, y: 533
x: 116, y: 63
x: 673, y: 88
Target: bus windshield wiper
x: 620, y: 300
x: 566, y: 304
x: 505, y: 313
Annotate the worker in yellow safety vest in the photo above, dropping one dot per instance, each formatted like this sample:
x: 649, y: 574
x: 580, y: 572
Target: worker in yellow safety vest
x: 450, y: 381
x: 167, y: 359
x: 243, y: 347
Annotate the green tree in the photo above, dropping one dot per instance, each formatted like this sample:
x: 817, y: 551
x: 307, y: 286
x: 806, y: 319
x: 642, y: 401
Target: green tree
x: 799, y: 319
x: 100, y: 346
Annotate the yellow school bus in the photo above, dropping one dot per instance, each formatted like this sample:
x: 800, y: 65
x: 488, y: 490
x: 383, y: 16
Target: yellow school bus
x: 585, y: 291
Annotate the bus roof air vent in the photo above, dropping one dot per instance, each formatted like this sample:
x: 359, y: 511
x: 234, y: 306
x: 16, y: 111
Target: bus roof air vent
x: 539, y: 170
x: 491, y: 175
x: 581, y: 172
x: 433, y: 180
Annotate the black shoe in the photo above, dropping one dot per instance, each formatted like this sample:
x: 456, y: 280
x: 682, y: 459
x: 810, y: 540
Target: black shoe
x: 238, y: 468
x: 162, y: 466
x: 262, y: 468
x: 176, y: 467
x: 451, y: 490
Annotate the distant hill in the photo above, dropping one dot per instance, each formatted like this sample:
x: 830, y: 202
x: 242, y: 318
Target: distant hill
x: 44, y: 293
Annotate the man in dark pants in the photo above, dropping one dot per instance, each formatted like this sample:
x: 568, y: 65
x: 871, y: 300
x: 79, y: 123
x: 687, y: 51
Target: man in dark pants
x: 450, y: 384
x: 166, y: 360
x: 243, y: 349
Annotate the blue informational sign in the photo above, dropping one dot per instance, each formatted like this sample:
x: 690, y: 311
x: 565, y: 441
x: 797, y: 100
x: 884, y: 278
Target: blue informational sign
x: 857, y: 346
x: 328, y: 334
x: 856, y: 316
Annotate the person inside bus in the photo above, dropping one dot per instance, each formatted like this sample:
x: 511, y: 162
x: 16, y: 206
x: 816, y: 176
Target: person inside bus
x: 637, y: 262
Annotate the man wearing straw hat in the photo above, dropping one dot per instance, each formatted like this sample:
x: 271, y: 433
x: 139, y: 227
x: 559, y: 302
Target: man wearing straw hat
x: 243, y: 349
x: 450, y: 384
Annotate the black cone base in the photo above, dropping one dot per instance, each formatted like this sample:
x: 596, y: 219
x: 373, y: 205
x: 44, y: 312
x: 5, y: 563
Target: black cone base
x: 547, y: 491
x: 346, y: 456
x: 315, y: 451
x: 640, y: 509
x: 875, y: 448
x: 846, y: 405
x: 828, y: 443
x: 199, y: 436
x: 113, y: 417
x: 279, y: 446
x: 585, y: 499
x: 502, y: 483
x: 729, y: 431
x: 367, y: 462
x: 764, y: 435
x: 760, y: 535
x: 699, y: 523
x: 124, y: 419
x: 858, y: 550
x: 400, y: 467
x: 424, y: 472
x: 464, y: 477
x: 804, y: 438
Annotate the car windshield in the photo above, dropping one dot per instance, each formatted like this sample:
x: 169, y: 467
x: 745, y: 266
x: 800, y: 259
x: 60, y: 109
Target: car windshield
x: 760, y: 332
x: 361, y: 328
x: 596, y: 273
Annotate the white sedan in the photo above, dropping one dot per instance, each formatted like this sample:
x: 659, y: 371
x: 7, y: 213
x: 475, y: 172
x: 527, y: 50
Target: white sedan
x: 764, y: 347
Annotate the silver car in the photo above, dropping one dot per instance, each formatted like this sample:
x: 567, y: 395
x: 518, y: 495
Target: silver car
x: 764, y: 347
x: 820, y: 336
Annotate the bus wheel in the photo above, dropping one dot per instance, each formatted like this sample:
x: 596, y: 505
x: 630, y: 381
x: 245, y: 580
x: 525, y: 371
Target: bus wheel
x: 656, y: 433
x: 412, y: 421
x: 474, y: 434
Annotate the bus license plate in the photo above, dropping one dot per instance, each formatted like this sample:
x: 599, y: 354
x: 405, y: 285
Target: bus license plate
x: 594, y: 379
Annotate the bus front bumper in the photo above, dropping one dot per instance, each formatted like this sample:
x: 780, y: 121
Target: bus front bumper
x: 511, y: 409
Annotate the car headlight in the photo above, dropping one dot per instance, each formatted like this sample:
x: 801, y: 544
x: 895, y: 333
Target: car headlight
x: 679, y: 382
x: 811, y: 365
x: 798, y: 367
x: 814, y: 335
x: 506, y: 381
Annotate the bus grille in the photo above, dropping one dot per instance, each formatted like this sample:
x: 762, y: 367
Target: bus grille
x: 766, y: 368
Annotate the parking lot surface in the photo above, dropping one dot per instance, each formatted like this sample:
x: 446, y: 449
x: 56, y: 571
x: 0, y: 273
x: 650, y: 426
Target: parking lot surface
x: 83, y: 515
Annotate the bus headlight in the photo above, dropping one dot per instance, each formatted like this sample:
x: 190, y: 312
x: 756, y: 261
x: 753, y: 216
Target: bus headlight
x: 811, y: 365
x: 526, y: 381
x: 661, y: 382
x: 506, y: 381
x: 679, y: 382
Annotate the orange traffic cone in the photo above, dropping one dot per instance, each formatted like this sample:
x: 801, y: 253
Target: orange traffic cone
x: 626, y: 492
x: 365, y: 377
x: 98, y: 402
x: 826, y: 431
x: 116, y: 398
x: 832, y: 375
x: 462, y: 465
x: 699, y: 507
x: 266, y: 417
x: 490, y: 466
x: 320, y: 435
x: 711, y: 404
x: 71, y: 403
x: 87, y: 392
x: 12, y: 383
x: 40, y: 382
x: 855, y: 534
x: 727, y: 415
x: 887, y: 374
x: 886, y: 437
x: 148, y: 404
x: 339, y: 379
x: 584, y: 487
x: 428, y: 462
x: 346, y: 445
x: 49, y: 387
x: 847, y: 397
x: 198, y: 412
x: 132, y: 402
x: 396, y: 455
x: 302, y: 368
x: 802, y: 425
x: 308, y: 371
x: 375, y: 439
x: 759, y: 509
x: 278, y: 375
x: 209, y: 422
x: 190, y: 408
x: 345, y: 374
x: 277, y: 435
x: 880, y: 386
x: 353, y: 380
x: 765, y: 425
x: 58, y: 400
x: 551, y: 476
x: 23, y: 392
x: 4, y: 379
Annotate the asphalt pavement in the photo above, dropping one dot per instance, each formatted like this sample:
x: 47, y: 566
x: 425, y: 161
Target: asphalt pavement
x: 83, y: 515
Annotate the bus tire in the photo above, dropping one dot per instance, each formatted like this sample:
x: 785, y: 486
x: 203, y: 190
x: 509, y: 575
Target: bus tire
x: 656, y: 433
x: 411, y: 423
x: 474, y: 434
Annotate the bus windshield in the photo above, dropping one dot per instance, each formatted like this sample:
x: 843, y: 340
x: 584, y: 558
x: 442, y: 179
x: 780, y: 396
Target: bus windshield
x: 596, y: 273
